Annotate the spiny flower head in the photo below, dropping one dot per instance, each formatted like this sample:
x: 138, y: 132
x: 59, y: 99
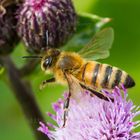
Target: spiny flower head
x: 8, y: 33
x: 95, y: 119
x: 46, y: 23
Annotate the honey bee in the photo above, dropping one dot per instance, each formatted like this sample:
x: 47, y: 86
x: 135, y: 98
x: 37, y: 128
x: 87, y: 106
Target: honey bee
x: 90, y: 74
x: 84, y: 68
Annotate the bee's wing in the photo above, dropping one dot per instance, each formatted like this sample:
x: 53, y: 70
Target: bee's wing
x: 75, y: 88
x: 98, y: 47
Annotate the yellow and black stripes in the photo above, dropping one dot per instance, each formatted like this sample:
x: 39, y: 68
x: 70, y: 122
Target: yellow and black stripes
x: 105, y: 76
x: 129, y: 82
x: 108, y: 72
x: 117, y: 78
x: 86, y: 73
x: 95, y: 74
x: 83, y: 73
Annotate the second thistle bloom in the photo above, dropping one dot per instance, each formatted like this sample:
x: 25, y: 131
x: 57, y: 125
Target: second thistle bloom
x: 46, y: 23
x: 8, y: 34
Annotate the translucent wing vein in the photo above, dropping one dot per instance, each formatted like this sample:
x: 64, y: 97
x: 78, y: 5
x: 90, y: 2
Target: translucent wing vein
x: 98, y: 47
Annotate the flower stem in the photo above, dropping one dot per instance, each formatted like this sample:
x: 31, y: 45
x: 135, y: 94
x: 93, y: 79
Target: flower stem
x: 24, y: 96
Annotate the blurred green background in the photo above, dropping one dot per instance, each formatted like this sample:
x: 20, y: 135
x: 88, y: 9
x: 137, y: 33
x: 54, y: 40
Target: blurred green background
x: 125, y: 54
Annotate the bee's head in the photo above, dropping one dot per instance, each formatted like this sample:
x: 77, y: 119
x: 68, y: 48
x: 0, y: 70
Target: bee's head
x: 49, y: 59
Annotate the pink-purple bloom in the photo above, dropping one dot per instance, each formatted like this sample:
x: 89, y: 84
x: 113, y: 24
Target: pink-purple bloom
x: 46, y: 23
x: 94, y: 119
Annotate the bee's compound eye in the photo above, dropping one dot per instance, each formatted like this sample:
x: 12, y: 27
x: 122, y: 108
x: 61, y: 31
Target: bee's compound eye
x: 47, y: 63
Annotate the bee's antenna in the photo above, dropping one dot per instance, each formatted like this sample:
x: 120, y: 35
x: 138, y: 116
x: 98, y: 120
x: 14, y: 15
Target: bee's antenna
x: 32, y: 56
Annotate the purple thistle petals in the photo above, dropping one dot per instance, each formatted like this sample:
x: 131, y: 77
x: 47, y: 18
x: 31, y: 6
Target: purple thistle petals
x: 57, y: 106
x: 52, y: 116
x: 94, y: 119
x: 43, y: 128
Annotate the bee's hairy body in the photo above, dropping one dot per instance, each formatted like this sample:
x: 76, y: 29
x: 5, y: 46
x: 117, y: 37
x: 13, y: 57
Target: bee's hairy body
x: 69, y: 62
x: 91, y: 73
x: 71, y: 68
x: 99, y: 75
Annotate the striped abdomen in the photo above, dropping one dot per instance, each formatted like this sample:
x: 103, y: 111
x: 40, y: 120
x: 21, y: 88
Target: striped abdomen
x: 104, y: 76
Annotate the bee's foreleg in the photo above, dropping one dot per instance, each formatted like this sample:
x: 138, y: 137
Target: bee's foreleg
x: 66, y: 106
x: 45, y: 82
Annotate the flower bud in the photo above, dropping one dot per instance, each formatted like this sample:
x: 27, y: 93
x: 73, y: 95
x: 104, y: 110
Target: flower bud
x: 46, y: 23
x: 8, y: 34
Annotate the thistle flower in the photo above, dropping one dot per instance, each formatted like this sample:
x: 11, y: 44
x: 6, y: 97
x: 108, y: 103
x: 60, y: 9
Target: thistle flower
x: 8, y: 34
x: 46, y: 23
x: 95, y: 119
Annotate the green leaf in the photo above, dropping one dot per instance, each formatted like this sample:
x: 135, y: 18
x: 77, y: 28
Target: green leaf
x: 87, y: 26
x: 1, y: 69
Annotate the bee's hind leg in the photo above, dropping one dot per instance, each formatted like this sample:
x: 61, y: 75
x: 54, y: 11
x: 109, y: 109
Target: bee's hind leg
x: 96, y: 93
x: 45, y: 82
x: 66, y: 106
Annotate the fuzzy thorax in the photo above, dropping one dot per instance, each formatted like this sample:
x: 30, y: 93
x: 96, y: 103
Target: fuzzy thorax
x: 67, y: 62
